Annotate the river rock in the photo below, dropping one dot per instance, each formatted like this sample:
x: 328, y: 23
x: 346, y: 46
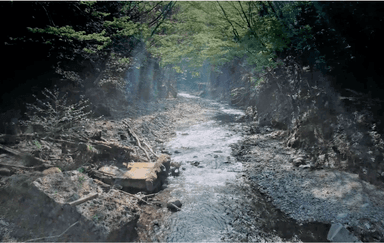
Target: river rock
x: 52, y: 170
x: 305, y: 166
x: 175, y: 171
x: 321, y: 158
x: 298, y: 161
x: 175, y: 164
x: 5, y: 172
x: 338, y: 233
x: 195, y: 163
x: 164, y: 151
x: 172, y: 203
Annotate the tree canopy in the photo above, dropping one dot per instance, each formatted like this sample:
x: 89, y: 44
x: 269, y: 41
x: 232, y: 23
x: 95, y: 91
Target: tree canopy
x: 217, y: 32
x: 330, y: 36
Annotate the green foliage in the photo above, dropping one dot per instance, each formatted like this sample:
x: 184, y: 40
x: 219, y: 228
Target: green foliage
x: 81, y: 179
x: 107, y: 26
x: 100, y: 14
x: 96, y: 217
x: 258, y: 81
x: 90, y: 148
x: 124, y: 26
x: 217, y: 33
x: 124, y: 60
x: 89, y: 51
x: 88, y: 3
x: 81, y: 170
x: 38, y: 145
x: 70, y: 33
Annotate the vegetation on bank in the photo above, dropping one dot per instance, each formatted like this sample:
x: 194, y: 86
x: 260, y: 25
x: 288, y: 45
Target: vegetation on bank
x: 188, y: 35
x: 135, y: 45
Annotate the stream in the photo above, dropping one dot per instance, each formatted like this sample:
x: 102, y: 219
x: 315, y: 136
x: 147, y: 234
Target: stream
x: 218, y: 205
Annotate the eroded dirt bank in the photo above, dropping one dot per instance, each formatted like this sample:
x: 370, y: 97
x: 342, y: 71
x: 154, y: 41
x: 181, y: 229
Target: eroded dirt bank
x: 42, y: 177
x: 321, y: 196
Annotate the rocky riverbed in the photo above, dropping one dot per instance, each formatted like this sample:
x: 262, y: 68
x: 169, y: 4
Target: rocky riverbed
x: 219, y: 203
x: 273, y: 195
x: 230, y: 180
x: 285, y: 176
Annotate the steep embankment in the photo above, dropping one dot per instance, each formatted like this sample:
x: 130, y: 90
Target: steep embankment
x: 33, y: 204
x: 335, y: 134
x: 316, y: 154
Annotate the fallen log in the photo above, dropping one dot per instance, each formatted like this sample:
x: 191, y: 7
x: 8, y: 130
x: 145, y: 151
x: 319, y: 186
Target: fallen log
x: 26, y: 167
x: 84, y: 199
x: 28, y: 158
x: 135, y: 196
x: 9, y: 150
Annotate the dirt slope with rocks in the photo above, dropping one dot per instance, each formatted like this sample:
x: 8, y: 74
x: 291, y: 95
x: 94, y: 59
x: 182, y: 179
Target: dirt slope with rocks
x: 39, y: 192
x: 306, y: 194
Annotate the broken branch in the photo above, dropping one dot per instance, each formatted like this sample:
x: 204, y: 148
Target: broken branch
x: 25, y: 156
x: 56, y: 236
x: 84, y: 199
x: 151, y: 150
x: 137, y: 140
x: 175, y: 206
x: 132, y: 195
x: 9, y: 150
x: 25, y: 167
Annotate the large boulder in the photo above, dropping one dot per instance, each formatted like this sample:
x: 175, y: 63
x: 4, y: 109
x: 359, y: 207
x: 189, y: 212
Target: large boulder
x: 338, y: 233
x: 174, y: 204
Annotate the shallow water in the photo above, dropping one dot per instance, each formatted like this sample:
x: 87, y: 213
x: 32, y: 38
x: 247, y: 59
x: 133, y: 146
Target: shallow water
x: 204, y: 152
x: 217, y: 203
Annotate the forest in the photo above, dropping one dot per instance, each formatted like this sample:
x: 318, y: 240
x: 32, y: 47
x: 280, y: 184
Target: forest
x: 90, y: 82
x: 190, y: 38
